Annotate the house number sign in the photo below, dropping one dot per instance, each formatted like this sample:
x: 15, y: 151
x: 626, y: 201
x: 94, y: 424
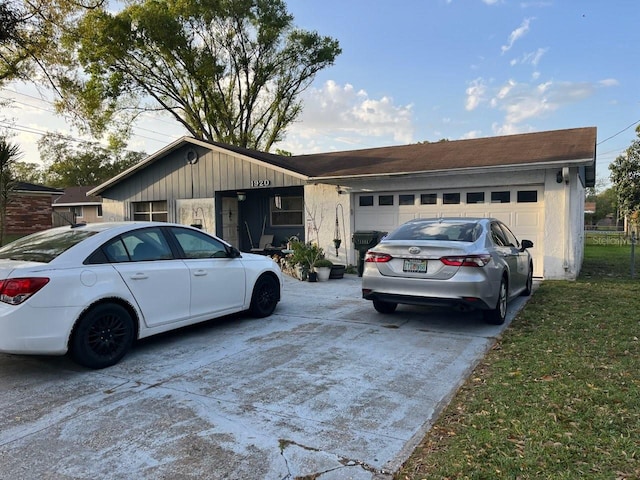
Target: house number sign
x: 260, y: 183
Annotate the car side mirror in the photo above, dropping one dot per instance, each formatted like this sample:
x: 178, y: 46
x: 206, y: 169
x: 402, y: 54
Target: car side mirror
x: 233, y: 252
x: 526, y: 244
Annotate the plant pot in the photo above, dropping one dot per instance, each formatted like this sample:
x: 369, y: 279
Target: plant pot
x: 337, y: 271
x: 301, y: 273
x: 323, y: 273
x: 313, y: 276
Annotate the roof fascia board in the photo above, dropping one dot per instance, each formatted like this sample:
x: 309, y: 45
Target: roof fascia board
x: 462, y: 171
x: 35, y: 192
x: 78, y: 204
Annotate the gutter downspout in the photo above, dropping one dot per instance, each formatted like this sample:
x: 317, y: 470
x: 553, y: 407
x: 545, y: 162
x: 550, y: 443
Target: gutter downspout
x: 566, y: 264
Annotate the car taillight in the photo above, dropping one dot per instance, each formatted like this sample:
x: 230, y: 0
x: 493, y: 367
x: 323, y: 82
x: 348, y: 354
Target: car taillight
x: 467, y: 260
x: 376, y: 257
x: 14, y: 291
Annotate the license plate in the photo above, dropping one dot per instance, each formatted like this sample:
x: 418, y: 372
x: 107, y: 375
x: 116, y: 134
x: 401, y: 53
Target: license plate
x: 415, y: 266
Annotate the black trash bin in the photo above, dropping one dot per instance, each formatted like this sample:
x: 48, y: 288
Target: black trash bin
x: 363, y: 240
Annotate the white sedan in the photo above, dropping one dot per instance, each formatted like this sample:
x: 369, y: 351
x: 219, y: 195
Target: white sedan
x: 91, y: 290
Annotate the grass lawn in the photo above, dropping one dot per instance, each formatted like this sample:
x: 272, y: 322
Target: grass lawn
x: 558, y: 397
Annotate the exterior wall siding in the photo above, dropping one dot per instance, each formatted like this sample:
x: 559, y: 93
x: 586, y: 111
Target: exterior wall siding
x: 89, y: 215
x: 322, y: 204
x: 172, y: 178
x: 563, y: 226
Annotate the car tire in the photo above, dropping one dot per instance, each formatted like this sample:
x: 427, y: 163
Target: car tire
x: 497, y: 315
x: 103, y: 336
x: 265, y: 297
x: 528, y: 288
x: 384, y: 307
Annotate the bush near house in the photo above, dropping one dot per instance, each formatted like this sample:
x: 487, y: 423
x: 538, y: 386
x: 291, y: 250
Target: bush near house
x: 559, y: 394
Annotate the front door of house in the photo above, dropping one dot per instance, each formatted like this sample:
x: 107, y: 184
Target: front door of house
x: 230, y: 220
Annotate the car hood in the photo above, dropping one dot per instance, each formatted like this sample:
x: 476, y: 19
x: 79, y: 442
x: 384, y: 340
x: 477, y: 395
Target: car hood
x: 8, y: 267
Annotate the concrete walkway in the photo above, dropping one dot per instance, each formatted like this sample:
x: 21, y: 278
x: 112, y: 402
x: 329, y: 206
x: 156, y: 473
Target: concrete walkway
x: 325, y: 388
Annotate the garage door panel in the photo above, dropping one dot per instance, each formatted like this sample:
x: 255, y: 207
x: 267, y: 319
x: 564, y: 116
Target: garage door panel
x: 503, y: 216
x: 452, y: 212
x: 405, y: 217
x: 377, y: 221
x: 525, y: 218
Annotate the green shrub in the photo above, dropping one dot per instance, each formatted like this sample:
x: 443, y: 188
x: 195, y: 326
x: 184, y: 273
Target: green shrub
x: 323, y: 262
x: 305, y: 254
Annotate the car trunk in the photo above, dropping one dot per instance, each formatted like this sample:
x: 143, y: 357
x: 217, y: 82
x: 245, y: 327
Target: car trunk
x: 423, y: 264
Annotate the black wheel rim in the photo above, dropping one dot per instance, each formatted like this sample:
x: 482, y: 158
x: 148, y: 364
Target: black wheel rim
x: 107, y: 335
x: 266, y: 296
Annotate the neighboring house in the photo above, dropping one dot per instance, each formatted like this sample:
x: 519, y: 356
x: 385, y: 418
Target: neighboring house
x: 75, y: 206
x: 590, y: 208
x: 29, y: 208
x: 533, y: 182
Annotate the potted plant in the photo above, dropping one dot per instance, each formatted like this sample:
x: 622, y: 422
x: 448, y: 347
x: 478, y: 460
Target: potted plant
x: 323, y: 267
x: 305, y: 255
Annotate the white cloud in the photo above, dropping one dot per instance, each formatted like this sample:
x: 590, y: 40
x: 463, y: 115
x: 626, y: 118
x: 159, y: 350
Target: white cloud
x: 471, y: 134
x: 609, y: 82
x: 530, y: 58
x: 475, y: 94
x: 503, y: 93
x: 339, y: 117
x: 509, y: 129
x: 522, y: 102
x: 517, y: 34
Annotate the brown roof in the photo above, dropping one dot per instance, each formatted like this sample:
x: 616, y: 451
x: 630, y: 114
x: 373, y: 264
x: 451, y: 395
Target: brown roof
x: 77, y: 195
x: 562, y: 146
x: 26, y: 187
x: 529, y: 148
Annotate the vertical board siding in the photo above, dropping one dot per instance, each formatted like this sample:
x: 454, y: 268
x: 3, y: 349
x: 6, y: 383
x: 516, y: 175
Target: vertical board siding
x: 171, y: 177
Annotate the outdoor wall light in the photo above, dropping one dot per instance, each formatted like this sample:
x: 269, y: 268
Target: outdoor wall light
x: 241, y: 196
x: 191, y: 156
x: 563, y: 175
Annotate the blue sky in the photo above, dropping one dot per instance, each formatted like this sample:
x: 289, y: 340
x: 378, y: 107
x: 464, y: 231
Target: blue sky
x: 423, y: 70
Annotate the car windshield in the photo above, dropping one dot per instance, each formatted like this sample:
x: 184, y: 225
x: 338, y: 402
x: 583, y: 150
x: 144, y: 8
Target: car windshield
x: 458, y: 231
x: 44, y: 246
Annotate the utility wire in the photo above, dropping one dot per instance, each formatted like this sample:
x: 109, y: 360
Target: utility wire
x: 22, y: 128
x: 616, y: 134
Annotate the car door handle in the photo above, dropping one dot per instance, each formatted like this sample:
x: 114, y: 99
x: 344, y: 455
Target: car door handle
x: 199, y: 273
x: 139, y: 276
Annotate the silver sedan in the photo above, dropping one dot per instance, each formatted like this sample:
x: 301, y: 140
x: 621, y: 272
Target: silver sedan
x: 467, y: 263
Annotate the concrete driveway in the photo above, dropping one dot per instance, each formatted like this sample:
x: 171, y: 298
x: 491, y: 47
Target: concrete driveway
x: 326, y: 388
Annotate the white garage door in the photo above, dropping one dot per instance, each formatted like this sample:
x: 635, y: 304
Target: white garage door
x: 521, y: 209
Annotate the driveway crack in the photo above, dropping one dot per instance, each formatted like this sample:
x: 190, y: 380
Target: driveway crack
x: 345, y: 462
